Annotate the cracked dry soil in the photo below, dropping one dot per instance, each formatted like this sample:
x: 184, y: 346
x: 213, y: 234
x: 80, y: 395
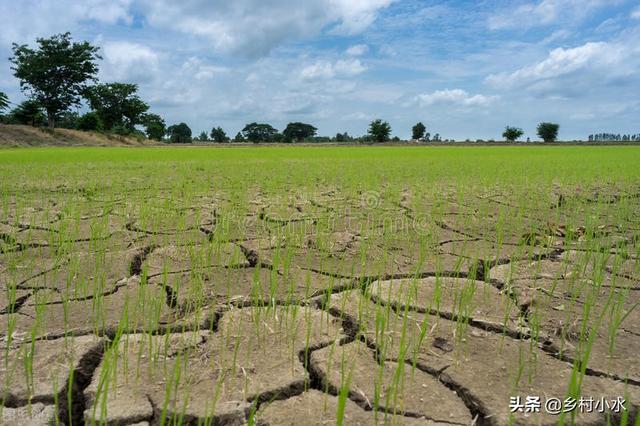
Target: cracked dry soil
x: 299, y: 314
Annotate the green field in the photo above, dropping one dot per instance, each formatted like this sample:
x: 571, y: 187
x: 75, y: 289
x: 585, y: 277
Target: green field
x: 349, y: 285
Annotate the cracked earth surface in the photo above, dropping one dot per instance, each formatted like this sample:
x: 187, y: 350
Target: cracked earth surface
x: 306, y: 309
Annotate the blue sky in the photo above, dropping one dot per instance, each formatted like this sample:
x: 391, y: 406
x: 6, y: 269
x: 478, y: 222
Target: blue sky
x: 464, y: 68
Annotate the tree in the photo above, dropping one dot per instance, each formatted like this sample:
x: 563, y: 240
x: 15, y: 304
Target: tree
x: 512, y: 134
x: 155, y: 127
x: 56, y: 73
x: 29, y: 112
x: 239, y: 138
x: 379, y: 130
x: 90, y: 122
x: 298, y: 132
x: 343, y: 137
x: 117, y: 105
x: 4, y: 101
x: 218, y: 135
x: 203, y: 136
x: 69, y: 120
x: 179, y: 133
x: 255, y: 133
x: 418, y: 131
x: 548, y: 131
x: 320, y: 139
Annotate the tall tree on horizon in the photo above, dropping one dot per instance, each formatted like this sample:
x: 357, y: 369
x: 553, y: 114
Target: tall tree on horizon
x: 259, y: 132
x: 380, y: 130
x: 179, y: 133
x: 56, y: 73
x: 418, y: 131
x: 548, y: 131
x: 117, y: 105
x: 298, y: 132
x: 512, y: 134
x: 29, y: 113
x: 218, y: 135
x: 155, y: 127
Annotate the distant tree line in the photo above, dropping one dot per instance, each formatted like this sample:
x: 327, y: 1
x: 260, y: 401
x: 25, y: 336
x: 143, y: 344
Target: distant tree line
x: 379, y: 131
x: 615, y: 137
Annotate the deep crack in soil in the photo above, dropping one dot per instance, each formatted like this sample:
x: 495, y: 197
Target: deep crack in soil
x: 550, y: 239
x: 72, y: 411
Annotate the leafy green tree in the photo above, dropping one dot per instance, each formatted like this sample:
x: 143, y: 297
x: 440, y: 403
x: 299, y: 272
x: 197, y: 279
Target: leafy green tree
x: 179, y: 133
x: 68, y: 120
x: 343, y: 137
x: 90, y: 122
x: 418, y: 131
x: 155, y: 127
x: 117, y: 105
x: 203, y: 137
x: 380, y: 130
x: 548, y: 131
x: 298, y: 132
x: 56, y: 73
x: 239, y: 137
x: 512, y: 134
x: 4, y: 102
x: 320, y: 139
x: 218, y: 135
x: 29, y: 112
x: 122, y: 130
x: 255, y: 132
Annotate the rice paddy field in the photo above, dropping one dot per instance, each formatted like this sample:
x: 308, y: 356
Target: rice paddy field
x: 328, y: 285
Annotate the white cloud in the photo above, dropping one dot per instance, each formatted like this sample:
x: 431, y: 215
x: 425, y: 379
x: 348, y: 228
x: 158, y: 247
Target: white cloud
x: 560, y: 62
x: 545, y: 12
x: 357, y: 50
x: 326, y: 70
x: 128, y: 61
x: 107, y: 11
x: 360, y: 116
x: 200, y: 70
x: 353, y: 15
x: 636, y: 13
x: 455, y: 97
x: 22, y: 21
x: 254, y: 27
x: 609, y: 25
x: 556, y: 36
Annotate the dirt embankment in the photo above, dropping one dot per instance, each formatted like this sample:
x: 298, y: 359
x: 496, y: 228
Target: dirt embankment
x: 22, y: 136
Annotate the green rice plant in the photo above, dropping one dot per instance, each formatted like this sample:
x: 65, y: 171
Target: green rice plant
x: 80, y: 208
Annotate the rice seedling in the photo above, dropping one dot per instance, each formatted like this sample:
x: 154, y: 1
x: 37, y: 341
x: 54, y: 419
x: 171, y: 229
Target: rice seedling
x: 364, y: 286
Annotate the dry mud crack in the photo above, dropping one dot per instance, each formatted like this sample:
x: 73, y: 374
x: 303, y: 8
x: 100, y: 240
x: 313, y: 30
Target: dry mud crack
x: 260, y: 367
x: 298, y: 313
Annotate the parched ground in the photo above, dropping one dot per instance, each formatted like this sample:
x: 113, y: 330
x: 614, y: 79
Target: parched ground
x: 21, y: 136
x: 279, y: 306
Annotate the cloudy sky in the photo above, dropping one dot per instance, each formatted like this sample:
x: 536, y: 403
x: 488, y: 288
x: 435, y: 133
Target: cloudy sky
x: 466, y: 68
